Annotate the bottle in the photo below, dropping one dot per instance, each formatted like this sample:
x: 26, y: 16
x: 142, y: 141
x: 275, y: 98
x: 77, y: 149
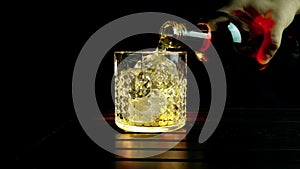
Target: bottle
x: 228, y: 38
x: 170, y: 31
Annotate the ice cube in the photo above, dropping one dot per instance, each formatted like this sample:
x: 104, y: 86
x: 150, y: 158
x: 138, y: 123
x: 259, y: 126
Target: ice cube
x: 163, y: 71
x: 146, y: 109
x: 141, y: 85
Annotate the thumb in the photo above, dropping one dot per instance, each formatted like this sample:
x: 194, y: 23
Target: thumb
x: 215, y: 22
x: 270, y: 45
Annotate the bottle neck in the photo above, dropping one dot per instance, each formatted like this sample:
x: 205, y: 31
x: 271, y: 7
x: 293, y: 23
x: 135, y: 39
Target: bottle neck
x: 179, y: 31
x: 171, y: 33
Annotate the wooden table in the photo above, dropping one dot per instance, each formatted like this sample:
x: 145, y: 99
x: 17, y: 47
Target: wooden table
x: 245, y: 138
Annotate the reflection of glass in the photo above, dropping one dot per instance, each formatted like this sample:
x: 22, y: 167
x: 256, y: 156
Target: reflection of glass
x: 150, y: 90
x: 144, y: 144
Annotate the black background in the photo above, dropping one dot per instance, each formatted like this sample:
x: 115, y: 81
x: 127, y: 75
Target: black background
x: 43, y: 41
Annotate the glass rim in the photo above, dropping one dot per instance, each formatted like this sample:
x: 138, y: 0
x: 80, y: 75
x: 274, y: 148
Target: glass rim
x: 147, y: 52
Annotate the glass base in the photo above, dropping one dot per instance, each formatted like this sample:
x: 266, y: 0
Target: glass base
x: 143, y: 129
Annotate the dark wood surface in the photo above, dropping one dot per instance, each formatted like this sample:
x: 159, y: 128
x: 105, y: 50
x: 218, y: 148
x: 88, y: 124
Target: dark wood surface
x: 245, y: 138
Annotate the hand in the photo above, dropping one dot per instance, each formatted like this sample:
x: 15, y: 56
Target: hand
x: 262, y: 18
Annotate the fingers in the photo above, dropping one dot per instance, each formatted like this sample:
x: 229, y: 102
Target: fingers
x: 263, y: 35
x: 252, y: 11
x: 215, y: 22
x: 270, y: 45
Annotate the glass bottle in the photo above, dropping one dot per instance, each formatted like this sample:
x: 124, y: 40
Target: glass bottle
x: 229, y: 38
